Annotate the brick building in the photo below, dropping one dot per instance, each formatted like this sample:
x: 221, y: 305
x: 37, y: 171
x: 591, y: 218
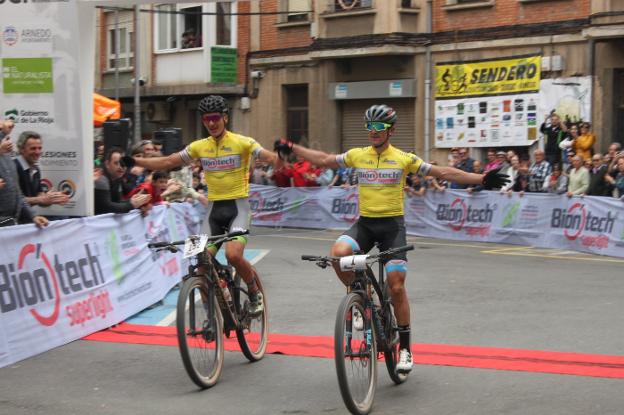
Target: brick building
x: 346, y: 55
x: 307, y: 69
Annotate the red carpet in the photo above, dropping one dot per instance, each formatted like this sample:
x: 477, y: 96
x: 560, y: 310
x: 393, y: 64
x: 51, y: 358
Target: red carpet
x: 427, y: 354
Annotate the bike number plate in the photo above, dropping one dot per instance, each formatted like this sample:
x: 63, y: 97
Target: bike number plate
x: 194, y: 245
x: 353, y: 263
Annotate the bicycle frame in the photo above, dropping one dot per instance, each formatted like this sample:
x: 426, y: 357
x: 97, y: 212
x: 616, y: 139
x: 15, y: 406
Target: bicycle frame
x: 362, y: 283
x: 213, y: 271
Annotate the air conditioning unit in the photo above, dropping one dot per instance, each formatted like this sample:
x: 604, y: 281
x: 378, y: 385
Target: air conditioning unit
x: 158, y: 111
x: 553, y: 63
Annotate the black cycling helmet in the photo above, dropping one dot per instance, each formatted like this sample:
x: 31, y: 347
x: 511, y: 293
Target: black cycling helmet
x: 382, y: 113
x: 213, y: 103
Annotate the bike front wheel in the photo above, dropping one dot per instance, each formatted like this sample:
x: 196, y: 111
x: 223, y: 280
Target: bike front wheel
x: 253, y: 331
x: 355, y: 354
x: 200, y: 332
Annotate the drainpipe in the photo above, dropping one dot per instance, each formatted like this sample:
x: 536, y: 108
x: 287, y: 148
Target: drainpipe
x: 427, y: 108
x: 137, y: 74
x: 116, y: 54
x: 591, y: 59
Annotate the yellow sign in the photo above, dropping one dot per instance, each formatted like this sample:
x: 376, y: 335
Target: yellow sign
x: 492, y: 77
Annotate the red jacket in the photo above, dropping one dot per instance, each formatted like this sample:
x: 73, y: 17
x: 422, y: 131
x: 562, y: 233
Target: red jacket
x: 300, y: 169
x: 148, y: 189
x: 282, y: 176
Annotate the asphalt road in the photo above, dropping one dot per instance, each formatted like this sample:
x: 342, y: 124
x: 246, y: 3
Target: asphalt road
x: 472, y: 305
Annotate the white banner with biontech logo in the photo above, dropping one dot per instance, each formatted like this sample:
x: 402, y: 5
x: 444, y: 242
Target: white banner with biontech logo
x: 79, y: 276
x: 589, y: 224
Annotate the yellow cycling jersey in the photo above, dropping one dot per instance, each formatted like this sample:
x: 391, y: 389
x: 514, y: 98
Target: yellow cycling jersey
x: 225, y: 162
x: 381, y: 178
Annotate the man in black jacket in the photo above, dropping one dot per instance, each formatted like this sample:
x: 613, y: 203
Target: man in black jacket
x: 108, y: 187
x: 13, y: 207
x: 597, y: 184
x: 553, y: 135
x: 29, y: 145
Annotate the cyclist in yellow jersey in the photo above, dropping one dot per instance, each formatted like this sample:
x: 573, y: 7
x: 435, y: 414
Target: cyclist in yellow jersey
x: 226, y: 158
x: 381, y: 170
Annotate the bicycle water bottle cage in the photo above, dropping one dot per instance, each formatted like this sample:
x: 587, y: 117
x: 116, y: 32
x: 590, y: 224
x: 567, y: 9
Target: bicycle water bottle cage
x: 353, y: 263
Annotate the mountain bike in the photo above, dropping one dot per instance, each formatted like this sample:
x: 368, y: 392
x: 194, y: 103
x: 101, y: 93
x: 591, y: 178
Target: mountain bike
x: 358, y: 346
x: 212, y: 303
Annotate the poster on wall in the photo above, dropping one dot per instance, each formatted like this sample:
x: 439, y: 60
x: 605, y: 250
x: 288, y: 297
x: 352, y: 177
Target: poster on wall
x: 570, y: 98
x: 42, y: 91
x: 488, y: 103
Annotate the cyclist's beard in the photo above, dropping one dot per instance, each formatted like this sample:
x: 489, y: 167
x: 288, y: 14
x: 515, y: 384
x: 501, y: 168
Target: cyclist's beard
x: 382, y: 143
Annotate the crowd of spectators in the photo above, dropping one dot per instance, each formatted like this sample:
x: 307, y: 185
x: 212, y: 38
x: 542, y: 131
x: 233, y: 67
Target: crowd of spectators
x: 119, y: 190
x: 571, y: 174
x: 301, y: 173
x: 20, y: 179
x: 600, y: 175
x: 567, y: 165
x: 116, y: 189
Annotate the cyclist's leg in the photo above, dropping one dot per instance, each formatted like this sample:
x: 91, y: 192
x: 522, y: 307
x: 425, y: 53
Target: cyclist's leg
x: 240, y: 215
x: 390, y: 232
x: 396, y: 271
x: 212, y: 224
x: 234, y: 252
x: 357, y: 238
x: 221, y: 217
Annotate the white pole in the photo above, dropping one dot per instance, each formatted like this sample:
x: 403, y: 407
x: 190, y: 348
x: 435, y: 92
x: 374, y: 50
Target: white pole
x: 427, y: 131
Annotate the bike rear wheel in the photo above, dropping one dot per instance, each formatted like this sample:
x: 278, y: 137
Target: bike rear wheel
x: 253, y: 331
x: 200, y: 332
x: 356, y: 358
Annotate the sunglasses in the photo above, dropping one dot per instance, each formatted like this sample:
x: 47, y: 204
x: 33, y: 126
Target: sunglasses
x: 377, y: 126
x: 213, y: 118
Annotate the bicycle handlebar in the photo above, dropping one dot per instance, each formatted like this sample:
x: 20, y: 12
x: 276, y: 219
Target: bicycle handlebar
x: 224, y: 237
x: 391, y: 251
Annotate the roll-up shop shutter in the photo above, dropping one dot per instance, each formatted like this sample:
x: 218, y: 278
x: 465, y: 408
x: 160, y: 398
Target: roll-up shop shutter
x: 354, y: 134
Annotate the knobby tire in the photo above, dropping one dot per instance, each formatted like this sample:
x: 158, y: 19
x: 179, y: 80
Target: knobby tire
x: 357, y: 398
x: 253, y: 332
x: 202, y: 352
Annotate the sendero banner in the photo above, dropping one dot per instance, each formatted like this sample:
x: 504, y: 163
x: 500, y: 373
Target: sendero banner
x: 589, y: 224
x: 489, y: 103
x: 488, y: 77
x: 80, y: 276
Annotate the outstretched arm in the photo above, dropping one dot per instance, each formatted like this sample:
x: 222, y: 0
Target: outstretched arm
x: 267, y: 156
x: 160, y: 163
x: 316, y: 157
x: 452, y: 174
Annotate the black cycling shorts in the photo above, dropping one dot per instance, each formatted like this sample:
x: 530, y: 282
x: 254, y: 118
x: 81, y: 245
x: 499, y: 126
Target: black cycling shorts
x: 224, y: 216
x: 389, y: 232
